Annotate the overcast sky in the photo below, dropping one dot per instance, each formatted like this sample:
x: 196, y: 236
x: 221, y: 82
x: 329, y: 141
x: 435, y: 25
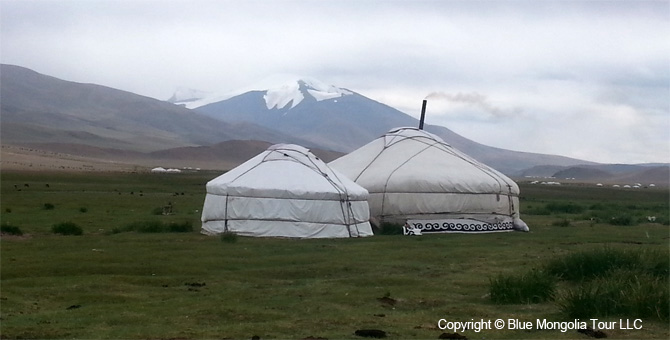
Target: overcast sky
x: 584, y: 79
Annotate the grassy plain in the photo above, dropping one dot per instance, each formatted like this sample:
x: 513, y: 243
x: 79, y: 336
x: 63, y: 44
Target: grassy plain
x: 112, y: 284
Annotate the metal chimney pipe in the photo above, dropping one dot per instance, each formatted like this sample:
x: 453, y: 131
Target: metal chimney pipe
x: 423, y: 114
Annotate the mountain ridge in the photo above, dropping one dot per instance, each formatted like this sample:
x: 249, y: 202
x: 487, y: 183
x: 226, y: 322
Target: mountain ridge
x: 37, y: 108
x: 42, y: 110
x: 349, y: 121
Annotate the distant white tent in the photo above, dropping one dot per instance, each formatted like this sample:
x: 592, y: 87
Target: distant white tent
x: 414, y: 176
x: 160, y: 170
x: 286, y: 191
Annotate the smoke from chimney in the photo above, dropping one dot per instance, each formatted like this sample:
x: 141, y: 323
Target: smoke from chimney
x: 474, y: 99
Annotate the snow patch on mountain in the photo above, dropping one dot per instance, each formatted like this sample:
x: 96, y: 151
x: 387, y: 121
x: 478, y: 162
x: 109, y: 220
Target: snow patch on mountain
x: 295, y: 91
x: 320, y: 91
x: 278, y: 98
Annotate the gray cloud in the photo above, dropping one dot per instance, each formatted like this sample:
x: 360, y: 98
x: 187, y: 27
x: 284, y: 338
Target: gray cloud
x: 546, y: 67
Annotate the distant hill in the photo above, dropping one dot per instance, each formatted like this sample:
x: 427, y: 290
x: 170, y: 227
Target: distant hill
x: 220, y: 156
x: 583, y: 173
x: 36, y: 108
x: 658, y: 174
x: 541, y: 171
x: 231, y: 153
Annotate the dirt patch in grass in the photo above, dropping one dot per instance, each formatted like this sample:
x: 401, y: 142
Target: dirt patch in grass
x: 12, y: 237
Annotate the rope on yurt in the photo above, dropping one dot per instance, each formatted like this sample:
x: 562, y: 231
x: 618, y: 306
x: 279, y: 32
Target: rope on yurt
x: 394, y: 139
x: 350, y: 216
x: 510, y: 200
x: 347, y: 213
x: 225, y: 223
x: 486, y: 170
x: 400, y: 166
x: 445, y: 147
x: 278, y: 150
x: 353, y: 218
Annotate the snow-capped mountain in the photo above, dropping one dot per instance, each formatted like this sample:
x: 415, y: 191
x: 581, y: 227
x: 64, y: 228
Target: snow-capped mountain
x: 279, y: 91
x: 343, y: 120
x: 327, y: 115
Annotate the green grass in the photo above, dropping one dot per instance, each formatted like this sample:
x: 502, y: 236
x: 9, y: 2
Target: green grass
x: 534, y: 286
x: 112, y: 200
x: 604, y: 282
x: 623, y: 293
x: 586, y: 265
x: 569, y: 207
x: 598, y: 204
x: 134, y: 285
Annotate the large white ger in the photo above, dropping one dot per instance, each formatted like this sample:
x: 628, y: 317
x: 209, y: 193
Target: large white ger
x: 415, y: 177
x: 286, y: 191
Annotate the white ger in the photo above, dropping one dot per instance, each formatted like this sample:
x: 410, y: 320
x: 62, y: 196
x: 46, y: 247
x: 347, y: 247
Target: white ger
x: 415, y: 177
x: 286, y: 191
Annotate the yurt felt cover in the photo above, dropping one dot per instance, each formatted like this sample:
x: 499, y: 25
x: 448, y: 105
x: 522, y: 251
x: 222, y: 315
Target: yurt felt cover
x: 413, y: 175
x: 286, y: 191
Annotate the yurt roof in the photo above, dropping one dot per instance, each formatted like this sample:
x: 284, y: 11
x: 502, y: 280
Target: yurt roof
x: 286, y: 171
x: 415, y: 161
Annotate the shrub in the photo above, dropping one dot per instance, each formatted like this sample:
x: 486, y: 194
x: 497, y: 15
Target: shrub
x: 83, y: 210
x: 229, y: 237
x: 67, y: 228
x: 49, y: 206
x: 181, y: 227
x: 634, y: 285
x: 145, y: 227
x: 533, y: 287
x: 561, y: 223
x: 623, y: 292
x: 154, y: 226
x: 610, y: 282
x: 387, y: 228
x: 10, y: 229
x: 590, y: 264
x: 8, y: 210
